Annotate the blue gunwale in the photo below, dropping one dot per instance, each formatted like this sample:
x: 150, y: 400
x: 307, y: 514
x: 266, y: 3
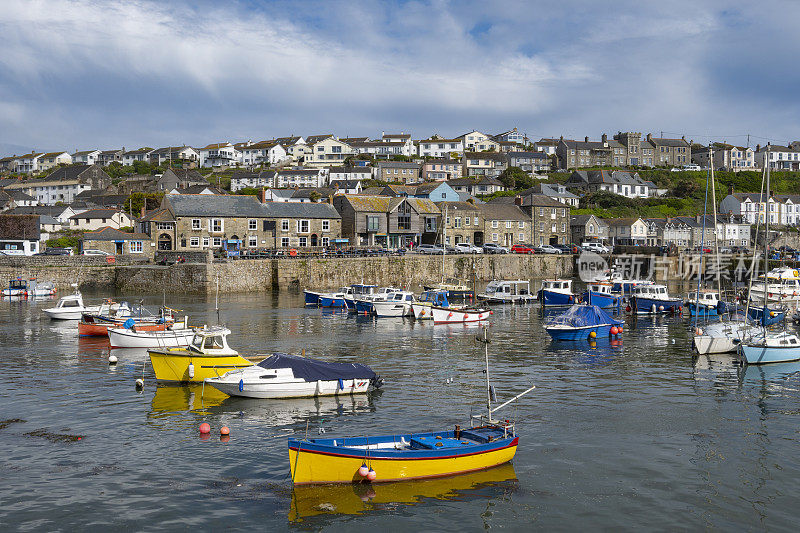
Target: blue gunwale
x: 326, y: 447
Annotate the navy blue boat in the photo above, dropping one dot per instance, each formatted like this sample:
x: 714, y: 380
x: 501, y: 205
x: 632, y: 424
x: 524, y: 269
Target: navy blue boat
x: 581, y: 322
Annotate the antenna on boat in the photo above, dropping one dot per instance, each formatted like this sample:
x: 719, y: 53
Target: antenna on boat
x: 216, y: 300
x: 485, y: 340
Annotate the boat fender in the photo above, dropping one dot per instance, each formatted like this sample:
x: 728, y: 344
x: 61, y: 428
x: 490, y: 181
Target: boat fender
x: 341, y: 384
x: 224, y: 431
x: 363, y: 471
x: 592, y: 334
x: 570, y: 298
x: 241, y: 385
x: 191, y: 370
x: 371, y: 475
x: 205, y: 427
x: 466, y: 316
x: 450, y: 314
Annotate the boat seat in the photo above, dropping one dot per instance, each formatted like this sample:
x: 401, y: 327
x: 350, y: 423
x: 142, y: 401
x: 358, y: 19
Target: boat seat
x: 433, y: 443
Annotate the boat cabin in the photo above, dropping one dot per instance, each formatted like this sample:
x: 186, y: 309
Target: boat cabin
x: 600, y: 288
x: 558, y: 285
x: 400, y: 296
x: 211, y: 341
x: 71, y: 300
x: 359, y: 289
x: 651, y: 291
x: 710, y: 298
x: 438, y: 298
x: 509, y: 288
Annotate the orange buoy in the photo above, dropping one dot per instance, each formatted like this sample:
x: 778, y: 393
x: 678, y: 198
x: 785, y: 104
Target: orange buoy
x: 205, y: 427
x: 224, y: 430
x: 293, y: 252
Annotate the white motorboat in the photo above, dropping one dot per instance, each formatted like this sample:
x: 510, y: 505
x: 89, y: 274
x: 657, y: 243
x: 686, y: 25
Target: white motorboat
x: 782, y: 286
x: 71, y: 307
x: 458, y: 315
x: 176, y: 335
x: 507, y: 291
x: 290, y: 376
x: 723, y: 336
x: 396, y: 304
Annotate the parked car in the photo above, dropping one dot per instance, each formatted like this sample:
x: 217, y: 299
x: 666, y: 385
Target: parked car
x: 565, y: 248
x: 522, y: 249
x: 549, y: 249
x: 467, y: 248
x: 429, y: 249
x: 93, y: 251
x: 57, y: 251
x: 596, y: 247
x: 491, y: 248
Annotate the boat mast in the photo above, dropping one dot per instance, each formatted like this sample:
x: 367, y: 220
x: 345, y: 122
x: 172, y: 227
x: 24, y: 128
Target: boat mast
x: 714, y: 210
x: 485, y: 341
x: 444, y: 240
x: 702, y: 244
x: 766, y: 249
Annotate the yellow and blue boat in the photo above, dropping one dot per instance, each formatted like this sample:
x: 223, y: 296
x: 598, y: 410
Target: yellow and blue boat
x: 410, y: 455
x: 401, y: 457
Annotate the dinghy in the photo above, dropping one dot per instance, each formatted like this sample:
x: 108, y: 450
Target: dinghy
x: 290, y: 376
x: 583, y: 322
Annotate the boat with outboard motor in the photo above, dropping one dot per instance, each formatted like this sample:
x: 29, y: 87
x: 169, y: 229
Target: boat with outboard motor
x: 291, y: 376
x: 71, y: 307
x: 507, y: 291
x: 96, y: 325
x: 179, y: 334
x: 421, y: 308
x: 459, y: 314
x: 704, y: 302
x: 31, y: 288
x: 396, y: 304
x: 364, y: 303
x: 455, y: 289
x: 207, y: 355
x: 583, y: 322
x: 407, y: 456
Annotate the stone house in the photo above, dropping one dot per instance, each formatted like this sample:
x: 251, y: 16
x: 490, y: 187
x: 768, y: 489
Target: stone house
x: 176, y: 178
x: 490, y: 164
x: 398, y: 171
x: 670, y: 152
x: 580, y: 154
x: 19, y: 234
x: 118, y: 242
x: 556, y: 191
x: 505, y: 223
x: 386, y: 221
x: 302, y: 225
x: 477, y: 185
x: 94, y: 219
x: 462, y: 222
x: 197, y: 222
x: 550, y: 219
x: 627, y: 231
x: 588, y: 228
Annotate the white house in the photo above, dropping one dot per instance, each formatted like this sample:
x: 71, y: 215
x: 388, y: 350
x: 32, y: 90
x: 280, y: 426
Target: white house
x: 727, y: 157
x: 350, y: 173
x: 256, y: 180
x: 778, y: 157
x: 327, y: 152
x: 174, y: 153
x: 617, y: 182
x: 440, y: 148
x: 751, y: 208
x: 28, y: 163
x: 264, y: 153
x: 106, y: 157
x: 141, y: 154
x: 473, y: 138
x: 302, y: 178
x: 86, y: 157
x: 64, y: 184
x: 222, y: 154
x: 94, y: 219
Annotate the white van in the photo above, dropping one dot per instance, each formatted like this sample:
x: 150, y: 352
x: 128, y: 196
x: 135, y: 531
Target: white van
x: 596, y: 247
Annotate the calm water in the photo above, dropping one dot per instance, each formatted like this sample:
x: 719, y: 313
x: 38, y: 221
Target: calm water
x: 637, y: 435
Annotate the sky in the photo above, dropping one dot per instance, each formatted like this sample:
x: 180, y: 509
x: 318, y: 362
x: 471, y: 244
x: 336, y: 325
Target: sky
x: 106, y: 73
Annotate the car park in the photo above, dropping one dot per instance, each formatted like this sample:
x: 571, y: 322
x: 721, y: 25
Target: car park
x: 522, y: 249
x: 467, y: 248
x: 491, y: 248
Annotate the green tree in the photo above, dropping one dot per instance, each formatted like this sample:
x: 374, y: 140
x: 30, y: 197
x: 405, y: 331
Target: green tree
x: 148, y: 200
x: 516, y: 178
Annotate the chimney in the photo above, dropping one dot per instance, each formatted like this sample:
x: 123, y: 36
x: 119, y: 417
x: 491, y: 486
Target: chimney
x: 586, y: 139
x: 683, y: 137
x: 771, y: 193
x: 604, y: 137
x: 649, y: 136
x: 758, y: 148
x: 518, y: 200
x: 697, y: 218
x: 730, y: 189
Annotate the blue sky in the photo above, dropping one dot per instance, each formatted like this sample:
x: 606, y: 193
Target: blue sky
x: 104, y: 73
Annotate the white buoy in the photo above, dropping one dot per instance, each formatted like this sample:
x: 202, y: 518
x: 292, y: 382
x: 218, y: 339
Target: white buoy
x: 139, y: 383
x: 112, y: 359
x: 191, y: 370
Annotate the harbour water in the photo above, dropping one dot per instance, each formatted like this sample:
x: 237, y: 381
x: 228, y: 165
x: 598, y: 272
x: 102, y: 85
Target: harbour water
x: 635, y: 434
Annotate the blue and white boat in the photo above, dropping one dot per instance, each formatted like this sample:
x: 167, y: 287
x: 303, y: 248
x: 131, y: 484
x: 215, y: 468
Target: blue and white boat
x: 556, y: 292
x: 599, y: 293
x: 334, y: 299
x: 766, y: 316
x: 363, y: 304
x: 358, y: 291
x: 312, y: 297
x: 706, y: 303
x: 583, y: 322
x: 771, y: 347
x: 507, y: 292
x: 422, y: 307
x: 654, y: 298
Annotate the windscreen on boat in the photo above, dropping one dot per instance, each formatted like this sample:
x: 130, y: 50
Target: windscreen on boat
x: 314, y: 369
x: 583, y: 315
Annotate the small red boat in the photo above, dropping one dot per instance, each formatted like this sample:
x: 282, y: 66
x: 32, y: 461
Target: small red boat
x: 96, y: 325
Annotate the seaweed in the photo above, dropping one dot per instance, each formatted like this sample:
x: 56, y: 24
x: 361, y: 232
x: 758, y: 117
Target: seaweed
x: 54, y: 437
x: 6, y: 423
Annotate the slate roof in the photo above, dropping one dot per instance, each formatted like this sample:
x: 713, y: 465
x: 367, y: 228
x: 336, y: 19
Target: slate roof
x: 494, y: 156
x: 531, y: 155
x: 503, y: 211
x: 19, y: 195
x: 604, y: 176
x: 475, y: 180
x: 358, y: 170
x: 19, y: 227
x: 286, y: 141
x: 422, y: 206
x: 456, y: 206
x: 52, y: 210
x: 397, y: 135
x: 373, y: 204
x: 96, y: 213
x: 262, y: 145
x: 138, y: 151
x: 344, y: 184
x: 372, y: 191
x: 157, y: 215
x: 214, y: 205
x: 300, y: 210
x: 311, y: 139
x: 397, y: 164
x: 112, y: 234
x: 621, y: 221
x: 217, y: 146
x: 85, y: 152
x: 660, y: 141
x: 433, y: 141
x: 306, y: 192
x: 582, y: 220
x: 302, y: 172
x: 197, y: 189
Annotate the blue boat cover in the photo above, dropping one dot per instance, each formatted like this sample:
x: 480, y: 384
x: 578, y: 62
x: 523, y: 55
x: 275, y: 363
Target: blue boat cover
x: 584, y: 315
x: 316, y: 370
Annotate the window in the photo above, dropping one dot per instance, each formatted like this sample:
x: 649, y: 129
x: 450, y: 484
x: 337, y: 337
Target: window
x: 303, y: 241
x: 563, y: 226
x: 215, y: 225
x: 252, y: 225
x: 206, y: 242
x: 458, y: 222
x: 285, y: 242
x: 563, y: 212
x: 541, y: 226
x: 541, y: 211
x: 373, y: 223
x: 194, y: 242
x: 521, y: 237
x: 404, y: 221
x: 303, y: 226
x: 253, y: 241
x: 494, y: 237
x: 521, y: 224
x: 509, y: 224
x: 284, y: 225
x: 217, y: 242
x: 196, y: 224
x: 164, y: 225
x: 476, y: 221
x: 495, y: 224
x: 135, y: 247
x: 466, y: 221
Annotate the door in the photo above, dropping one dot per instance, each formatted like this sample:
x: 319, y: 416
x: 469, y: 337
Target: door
x: 313, y: 239
x: 164, y: 242
x: 119, y: 248
x: 477, y: 238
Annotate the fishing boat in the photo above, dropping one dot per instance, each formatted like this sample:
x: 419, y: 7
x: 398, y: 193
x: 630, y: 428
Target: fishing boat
x: 599, y: 293
x: 455, y: 290
x: 290, y: 376
x: 619, y: 283
x: 133, y: 337
x: 703, y: 303
x: 421, y: 308
x: 583, y: 322
x: 356, y: 292
x: 507, y: 291
x: 364, y: 303
x: 311, y: 297
x: 556, y: 292
x: 96, y: 325
x: 458, y: 315
x: 71, y: 307
x: 654, y: 298
x: 407, y: 456
x: 16, y: 287
x: 396, y: 304
x: 334, y: 299
x: 208, y: 355
x: 782, y: 286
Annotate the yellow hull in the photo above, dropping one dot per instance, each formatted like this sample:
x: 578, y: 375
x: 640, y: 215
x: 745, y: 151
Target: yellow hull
x: 308, y: 467
x: 173, y: 365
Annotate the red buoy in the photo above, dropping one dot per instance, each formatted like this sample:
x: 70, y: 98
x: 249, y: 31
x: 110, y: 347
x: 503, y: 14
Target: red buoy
x: 205, y: 427
x: 224, y: 430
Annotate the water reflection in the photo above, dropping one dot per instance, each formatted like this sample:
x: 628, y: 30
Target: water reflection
x: 353, y: 499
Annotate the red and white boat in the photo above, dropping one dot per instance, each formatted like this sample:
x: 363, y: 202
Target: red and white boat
x: 457, y: 315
